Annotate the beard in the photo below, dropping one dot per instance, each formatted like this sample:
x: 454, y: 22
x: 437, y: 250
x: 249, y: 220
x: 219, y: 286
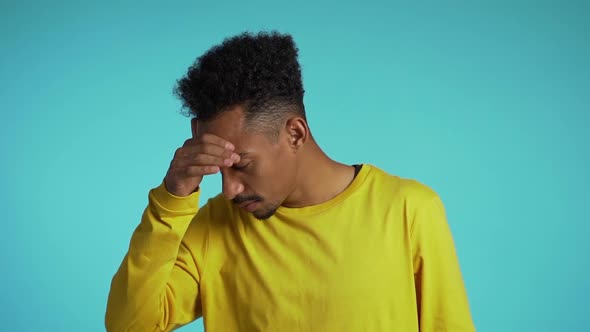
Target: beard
x: 264, y: 212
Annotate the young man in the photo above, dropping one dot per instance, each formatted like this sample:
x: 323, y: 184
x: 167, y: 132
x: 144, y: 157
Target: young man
x: 297, y: 241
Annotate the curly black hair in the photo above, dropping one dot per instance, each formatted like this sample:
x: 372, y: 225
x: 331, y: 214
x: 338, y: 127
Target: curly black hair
x: 257, y: 71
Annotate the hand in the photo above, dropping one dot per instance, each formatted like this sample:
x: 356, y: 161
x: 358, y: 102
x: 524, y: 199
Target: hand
x: 198, y: 157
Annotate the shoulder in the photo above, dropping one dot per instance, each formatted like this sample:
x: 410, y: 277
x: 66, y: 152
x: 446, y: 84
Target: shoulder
x: 416, y: 200
x: 401, y: 188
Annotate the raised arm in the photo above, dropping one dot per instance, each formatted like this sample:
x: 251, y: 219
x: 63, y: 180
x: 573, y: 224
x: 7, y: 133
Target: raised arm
x: 156, y: 287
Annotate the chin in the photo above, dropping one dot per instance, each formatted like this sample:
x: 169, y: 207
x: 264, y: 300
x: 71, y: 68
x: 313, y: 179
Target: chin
x: 264, y: 214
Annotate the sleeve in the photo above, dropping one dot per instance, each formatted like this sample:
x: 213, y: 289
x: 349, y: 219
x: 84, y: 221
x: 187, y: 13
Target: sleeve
x: 156, y: 287
x: 441, y: 295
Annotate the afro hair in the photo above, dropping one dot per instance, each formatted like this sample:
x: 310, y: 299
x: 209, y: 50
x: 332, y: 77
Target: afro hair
x: 259, y: 71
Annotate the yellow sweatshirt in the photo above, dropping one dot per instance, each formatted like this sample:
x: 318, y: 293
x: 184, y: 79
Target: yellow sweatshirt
x: 377, y: 257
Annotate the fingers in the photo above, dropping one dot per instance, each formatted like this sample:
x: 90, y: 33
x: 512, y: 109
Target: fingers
x: 210, y: 139
x: 216, y: 140
x: 209, y: 150
x: 212, y: 150
x: 206, y: 154
x: 200, y: 170
x: 197, y: 157
x: 201, y: 159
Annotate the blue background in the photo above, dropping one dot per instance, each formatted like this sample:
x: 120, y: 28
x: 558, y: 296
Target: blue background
x: 486, y: 102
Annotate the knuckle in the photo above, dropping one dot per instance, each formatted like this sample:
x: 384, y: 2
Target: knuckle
x: 188, y: 171
x: 175, y: 165
x: 198, y: 158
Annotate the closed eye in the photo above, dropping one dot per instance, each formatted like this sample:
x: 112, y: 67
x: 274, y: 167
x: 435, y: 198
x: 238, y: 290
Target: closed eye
x: 240, y: 167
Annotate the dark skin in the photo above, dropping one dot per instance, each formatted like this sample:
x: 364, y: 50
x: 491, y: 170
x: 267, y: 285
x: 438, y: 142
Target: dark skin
x: 291, y: 171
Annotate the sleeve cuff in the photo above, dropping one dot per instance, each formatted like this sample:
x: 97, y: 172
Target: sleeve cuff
x: 172, y: 202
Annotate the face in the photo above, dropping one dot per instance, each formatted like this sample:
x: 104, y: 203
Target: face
x: 266, y: 173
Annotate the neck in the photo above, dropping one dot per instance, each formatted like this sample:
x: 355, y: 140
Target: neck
x: 319, y: 178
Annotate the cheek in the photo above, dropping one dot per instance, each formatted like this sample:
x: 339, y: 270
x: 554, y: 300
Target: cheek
x: 286, y: 172
x: 278, y: 176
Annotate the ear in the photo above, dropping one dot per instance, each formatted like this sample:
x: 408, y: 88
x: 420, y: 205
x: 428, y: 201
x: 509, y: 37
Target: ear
x: 194, y: 126
x: 297, y: 132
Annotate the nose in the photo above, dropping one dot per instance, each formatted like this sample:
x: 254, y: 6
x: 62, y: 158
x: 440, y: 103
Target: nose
x: 232, y: 185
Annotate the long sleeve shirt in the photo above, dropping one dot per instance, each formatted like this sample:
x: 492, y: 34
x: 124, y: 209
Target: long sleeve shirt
x: 377, y: 257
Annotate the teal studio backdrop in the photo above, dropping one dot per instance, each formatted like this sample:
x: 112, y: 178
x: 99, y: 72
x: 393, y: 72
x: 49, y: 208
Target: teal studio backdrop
x: 487, y: 102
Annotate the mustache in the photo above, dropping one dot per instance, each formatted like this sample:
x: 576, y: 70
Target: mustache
x: 245, y: 198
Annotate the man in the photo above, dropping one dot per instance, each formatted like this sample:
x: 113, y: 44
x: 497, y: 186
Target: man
x: 297, y: 241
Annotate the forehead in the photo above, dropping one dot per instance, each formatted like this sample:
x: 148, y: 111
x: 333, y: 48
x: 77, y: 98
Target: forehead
x: 230, y: 125
x: 227, y: 125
